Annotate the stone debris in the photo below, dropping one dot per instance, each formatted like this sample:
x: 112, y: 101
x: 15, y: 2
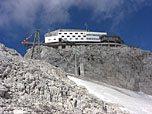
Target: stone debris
x: 36, y: 87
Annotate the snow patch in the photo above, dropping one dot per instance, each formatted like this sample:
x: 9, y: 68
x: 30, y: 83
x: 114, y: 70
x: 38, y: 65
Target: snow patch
x: 134, y: 102
x: 19, y: 112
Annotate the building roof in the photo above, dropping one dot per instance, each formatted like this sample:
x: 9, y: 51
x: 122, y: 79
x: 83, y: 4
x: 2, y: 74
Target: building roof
x: 71, y: 30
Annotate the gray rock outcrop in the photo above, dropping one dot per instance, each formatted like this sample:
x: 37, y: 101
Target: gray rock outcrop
x: 33, y: 86
x: 126, y: 67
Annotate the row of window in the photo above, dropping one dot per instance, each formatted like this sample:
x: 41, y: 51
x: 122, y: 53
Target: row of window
x: 77, y: 39
x: 93, y: 35
x: 110, y: 38
x: 73, y: 39
x: 73, y: 36
x: 70, y: 33
x: 66, y: 39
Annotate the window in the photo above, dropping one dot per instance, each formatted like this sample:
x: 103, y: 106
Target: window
x: 81, y: 33
x: 65, y: 33
x: 79, y: 36
x: 62, y: 36
x: 89, y: 38
x: 68, y: 36
x: 49, y: 39
x: 70, y: 33
x: 60, y: 33
x: 65, y: 38
x: 93, y: 34
x: 76, y: 33
x: 73, y: 36
x: 84, y: 36
x: 76, y: 38
x: 54, y: 38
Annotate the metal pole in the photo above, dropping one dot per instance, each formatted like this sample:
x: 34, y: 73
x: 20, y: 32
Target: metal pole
x: 76, y: 68
x: 33, y: 46
x: 75, y: 62
x: 38, y: 35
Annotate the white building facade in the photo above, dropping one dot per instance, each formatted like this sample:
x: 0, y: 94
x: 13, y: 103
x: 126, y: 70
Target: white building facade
x: 73, y: 35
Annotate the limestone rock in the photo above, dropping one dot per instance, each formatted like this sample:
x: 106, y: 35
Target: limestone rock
x: 126, y: 67
x: 35, y: 86
x: 3, y: 91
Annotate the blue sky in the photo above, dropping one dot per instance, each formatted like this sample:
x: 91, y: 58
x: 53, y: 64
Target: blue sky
x: 131, y: 19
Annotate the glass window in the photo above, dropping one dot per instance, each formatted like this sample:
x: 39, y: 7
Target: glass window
x: 62, y: 36
x: 70, y: 33
x: 81, y: 33
x: 65, y: 33
x: 76, y: 33
x: 79, y: 36
x: 76, y: 38
x: 60, y: 33
x: 73, y: 36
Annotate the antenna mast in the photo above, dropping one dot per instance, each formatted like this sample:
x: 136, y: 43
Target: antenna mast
x: 86, y: 25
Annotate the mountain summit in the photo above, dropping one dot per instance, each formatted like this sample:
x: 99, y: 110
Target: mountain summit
x: 125, y: 67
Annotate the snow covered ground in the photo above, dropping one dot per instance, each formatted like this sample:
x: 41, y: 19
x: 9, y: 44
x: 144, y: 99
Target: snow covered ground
x: 135, y: 103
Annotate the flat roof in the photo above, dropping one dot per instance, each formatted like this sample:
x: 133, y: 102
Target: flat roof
x: 70, y: 30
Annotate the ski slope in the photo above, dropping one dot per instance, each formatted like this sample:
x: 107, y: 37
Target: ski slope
x: 133, y: 102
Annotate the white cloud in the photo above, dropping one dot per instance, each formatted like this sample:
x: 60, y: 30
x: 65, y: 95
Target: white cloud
x: 26, y: 13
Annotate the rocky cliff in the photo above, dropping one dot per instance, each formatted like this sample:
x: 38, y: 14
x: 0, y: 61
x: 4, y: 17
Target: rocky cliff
x: 126, y: 67
x: 33, y: 86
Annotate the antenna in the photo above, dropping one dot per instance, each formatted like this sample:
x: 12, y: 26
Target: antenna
x: 86, y: 25
x: 48, y: 30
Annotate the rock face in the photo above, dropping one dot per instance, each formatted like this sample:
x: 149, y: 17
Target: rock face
x: 126, y: 67
x: 34, y: 86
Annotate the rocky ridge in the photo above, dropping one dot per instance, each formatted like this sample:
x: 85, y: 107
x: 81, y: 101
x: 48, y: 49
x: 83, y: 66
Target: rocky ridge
x: 35, y: 86
x: 126, y: 67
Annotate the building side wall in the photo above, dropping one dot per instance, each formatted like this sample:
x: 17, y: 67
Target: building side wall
x: 74, y: 36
